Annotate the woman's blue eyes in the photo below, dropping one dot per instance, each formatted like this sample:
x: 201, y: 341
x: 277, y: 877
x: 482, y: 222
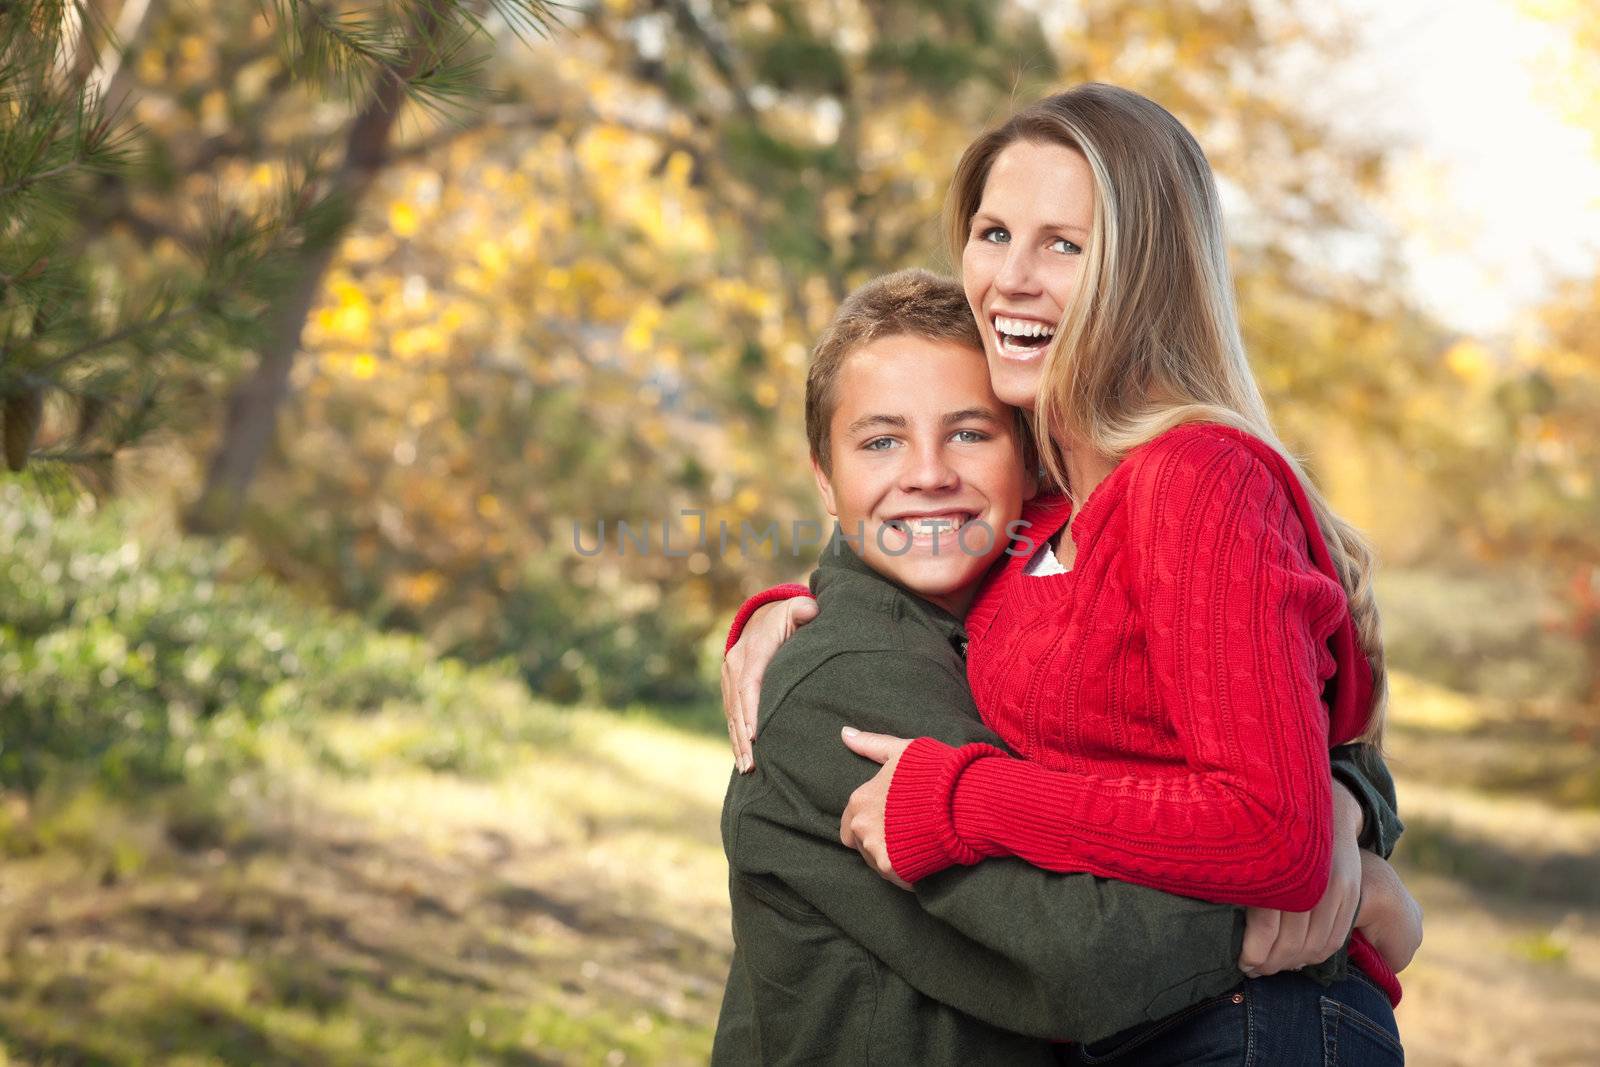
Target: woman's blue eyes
x: 999, y: 235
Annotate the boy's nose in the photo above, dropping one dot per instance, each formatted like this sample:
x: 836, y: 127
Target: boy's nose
x: 927, y: 470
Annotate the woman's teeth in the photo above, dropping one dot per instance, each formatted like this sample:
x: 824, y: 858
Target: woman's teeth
x: 1022, y: 335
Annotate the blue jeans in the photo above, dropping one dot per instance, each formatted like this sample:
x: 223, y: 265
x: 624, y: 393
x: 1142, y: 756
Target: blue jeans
x: 1285, y: 1019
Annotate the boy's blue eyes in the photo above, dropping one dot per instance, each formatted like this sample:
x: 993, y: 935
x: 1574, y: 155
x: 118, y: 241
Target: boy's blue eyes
x: 883, y: 444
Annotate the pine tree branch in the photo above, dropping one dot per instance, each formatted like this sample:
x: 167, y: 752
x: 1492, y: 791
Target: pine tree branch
x: 28, y: 181
x: 126, y: 333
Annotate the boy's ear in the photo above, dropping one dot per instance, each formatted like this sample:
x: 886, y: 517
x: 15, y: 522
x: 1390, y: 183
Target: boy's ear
x: 824, y: 487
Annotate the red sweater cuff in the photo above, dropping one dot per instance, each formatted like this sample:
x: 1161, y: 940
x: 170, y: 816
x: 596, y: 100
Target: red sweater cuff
x: 766, y: 596
x: 919, y: 828
x: 1364, y: 956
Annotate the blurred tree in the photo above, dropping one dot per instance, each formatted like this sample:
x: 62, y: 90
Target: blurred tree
x: 92, y: 345
x: 1553, y: 401
x: 77, y: 177
x: 599, y: 309
x: 421, y: 50
x: 1526, y: 413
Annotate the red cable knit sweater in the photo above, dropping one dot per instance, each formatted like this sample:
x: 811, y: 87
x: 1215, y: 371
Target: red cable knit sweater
x: 1166, y: 692
x: 1174, y: 694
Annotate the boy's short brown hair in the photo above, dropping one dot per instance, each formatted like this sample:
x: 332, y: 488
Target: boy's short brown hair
x: 914, y: 302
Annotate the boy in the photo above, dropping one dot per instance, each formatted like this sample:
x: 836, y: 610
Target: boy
x: 923, y: 469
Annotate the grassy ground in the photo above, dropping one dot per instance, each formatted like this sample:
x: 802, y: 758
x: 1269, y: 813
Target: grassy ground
x: 346, y: 908
x: 571, y: 911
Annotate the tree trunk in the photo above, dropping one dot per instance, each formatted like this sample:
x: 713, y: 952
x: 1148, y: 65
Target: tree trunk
x: 252, y: 410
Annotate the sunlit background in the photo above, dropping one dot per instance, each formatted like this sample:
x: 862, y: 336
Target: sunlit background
x: 325, y: 734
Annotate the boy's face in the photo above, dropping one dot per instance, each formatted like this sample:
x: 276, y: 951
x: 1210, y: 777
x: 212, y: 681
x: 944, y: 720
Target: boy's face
x: 926, y: 465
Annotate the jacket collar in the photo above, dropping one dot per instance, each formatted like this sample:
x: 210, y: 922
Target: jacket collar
x: 839, y: 562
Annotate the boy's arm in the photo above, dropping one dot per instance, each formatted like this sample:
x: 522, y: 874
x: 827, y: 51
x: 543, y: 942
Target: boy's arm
x: 1052, y: 955
x: 1360, y: 768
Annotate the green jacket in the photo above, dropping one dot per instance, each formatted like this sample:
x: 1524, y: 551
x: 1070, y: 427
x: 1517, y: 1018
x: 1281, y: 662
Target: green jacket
x: 982, y: 964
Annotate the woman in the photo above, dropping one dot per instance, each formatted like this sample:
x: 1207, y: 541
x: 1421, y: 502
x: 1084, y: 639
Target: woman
x: 1164, y: 659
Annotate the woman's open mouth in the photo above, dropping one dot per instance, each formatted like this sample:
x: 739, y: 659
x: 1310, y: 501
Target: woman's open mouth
x: 1024, y: 338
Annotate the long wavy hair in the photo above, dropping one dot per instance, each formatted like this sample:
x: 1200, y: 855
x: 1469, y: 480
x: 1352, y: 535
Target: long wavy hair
x: 1149, y: 339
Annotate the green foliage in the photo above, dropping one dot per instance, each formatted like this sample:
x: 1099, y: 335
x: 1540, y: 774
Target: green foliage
x: 800, y: 62
x: 87, y: 355
x: 929, y: 63
x: 135, y: 662
x: 573, y: 643
x: 92, y: 360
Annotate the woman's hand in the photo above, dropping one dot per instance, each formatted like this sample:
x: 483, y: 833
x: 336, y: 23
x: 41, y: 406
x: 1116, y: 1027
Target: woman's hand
x: 861, y: 825
x: 1288, y: 940
x: 1390, y: 916
x: 746, y: 663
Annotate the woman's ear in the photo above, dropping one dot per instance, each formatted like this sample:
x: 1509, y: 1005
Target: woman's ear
x: 824, y: 487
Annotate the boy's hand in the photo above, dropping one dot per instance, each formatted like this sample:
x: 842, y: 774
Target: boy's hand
x: 1288, y: 940
x: 861, y: 825
x: 1390, y: 916
x: 746, y: 663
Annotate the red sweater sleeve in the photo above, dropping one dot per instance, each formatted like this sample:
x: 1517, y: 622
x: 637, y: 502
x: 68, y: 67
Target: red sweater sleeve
x: 766, y: 596
x: 1236, y: 617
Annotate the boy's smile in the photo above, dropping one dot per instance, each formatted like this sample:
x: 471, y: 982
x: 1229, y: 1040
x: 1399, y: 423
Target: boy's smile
x: 927, y: 468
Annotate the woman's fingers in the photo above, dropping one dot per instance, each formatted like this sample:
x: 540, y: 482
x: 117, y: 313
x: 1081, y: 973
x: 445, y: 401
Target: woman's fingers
x: 784, y: 618
x: 745, y: 665
x: 742, y: 670
x: 750, y: 706
x: 879, y: 748
x: 861, y: 827
x: 730, y: 704
x: 733, y: 709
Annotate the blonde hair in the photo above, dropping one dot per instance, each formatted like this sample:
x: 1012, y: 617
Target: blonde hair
x: 1150, y: 339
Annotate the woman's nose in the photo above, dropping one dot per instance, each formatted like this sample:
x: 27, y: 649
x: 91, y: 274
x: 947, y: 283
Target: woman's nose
x: 1017, y: 275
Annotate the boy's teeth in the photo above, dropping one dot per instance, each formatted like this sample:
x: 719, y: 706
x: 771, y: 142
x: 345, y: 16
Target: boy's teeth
x: 933, y: 524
